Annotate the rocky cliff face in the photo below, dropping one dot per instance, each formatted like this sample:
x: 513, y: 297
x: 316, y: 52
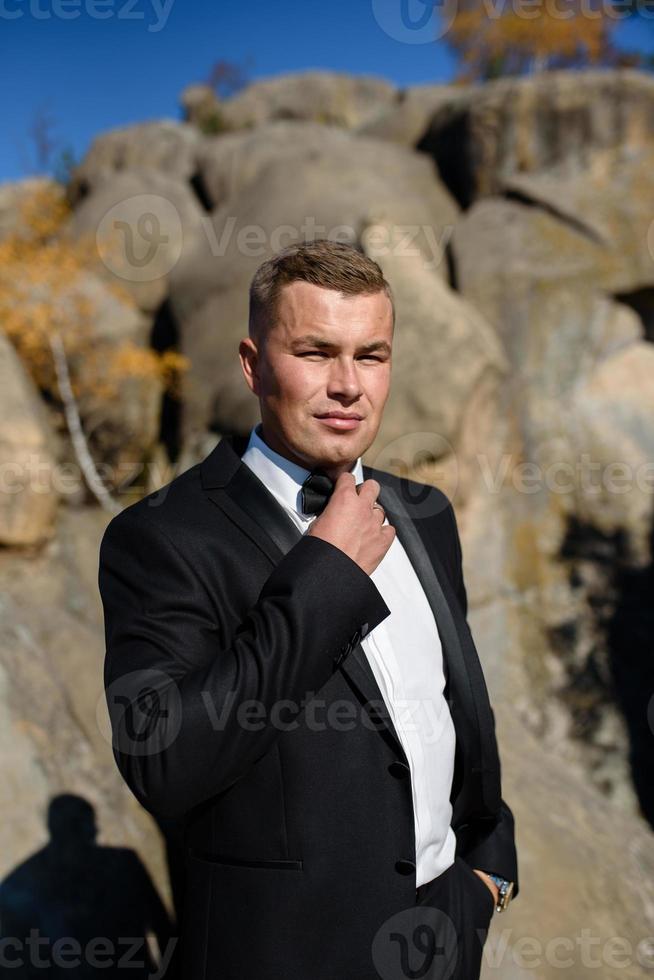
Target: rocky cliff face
x: 515, y: 223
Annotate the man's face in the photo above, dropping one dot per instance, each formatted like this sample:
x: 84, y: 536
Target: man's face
x: 327, y: 353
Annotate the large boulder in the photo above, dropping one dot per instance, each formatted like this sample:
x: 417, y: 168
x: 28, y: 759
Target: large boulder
x: 323, y: 96
x: 407, y: 119
x: 28, y: 503
x: 444, y: 353
x: 229, y: 163
x: 541, y: 291
x: 163, y: 146
x: 538, y: 280
x: 613, y: 208
x: 571, y: 348
x: 570, y: 122
x: 140, y: 223
x: 332, y: 189
x: 611, y: 418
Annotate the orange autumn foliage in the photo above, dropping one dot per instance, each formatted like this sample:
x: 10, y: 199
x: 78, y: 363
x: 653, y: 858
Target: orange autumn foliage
x: 496, y: 37
x: 42, y: 291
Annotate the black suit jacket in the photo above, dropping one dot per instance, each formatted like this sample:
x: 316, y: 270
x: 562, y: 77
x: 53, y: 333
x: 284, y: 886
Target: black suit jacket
x: 242, y: 702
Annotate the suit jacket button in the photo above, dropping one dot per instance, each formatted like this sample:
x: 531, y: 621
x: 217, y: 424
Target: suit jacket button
x: 399, y: 769
x: 405, y: 867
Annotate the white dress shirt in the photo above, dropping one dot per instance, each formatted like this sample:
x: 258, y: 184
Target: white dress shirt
x: 406, y: 657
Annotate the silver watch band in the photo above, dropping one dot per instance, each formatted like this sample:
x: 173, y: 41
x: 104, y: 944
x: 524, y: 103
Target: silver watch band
x: 505, y: 890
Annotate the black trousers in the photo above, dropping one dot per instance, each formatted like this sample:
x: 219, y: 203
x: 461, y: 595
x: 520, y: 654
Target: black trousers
x: 442, y: 937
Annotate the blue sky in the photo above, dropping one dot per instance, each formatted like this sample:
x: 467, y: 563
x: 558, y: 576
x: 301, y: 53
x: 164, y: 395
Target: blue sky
x: 92, y: 65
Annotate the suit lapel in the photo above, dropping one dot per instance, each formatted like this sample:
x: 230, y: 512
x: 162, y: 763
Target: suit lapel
x: 468, y: 696
x: 232, y: 486
x: 431, y: 575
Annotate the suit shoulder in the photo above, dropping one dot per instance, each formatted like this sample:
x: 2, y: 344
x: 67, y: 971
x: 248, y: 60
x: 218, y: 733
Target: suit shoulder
x: 168, y: 507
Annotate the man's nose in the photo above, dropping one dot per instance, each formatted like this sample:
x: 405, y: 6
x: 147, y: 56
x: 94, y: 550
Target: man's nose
x: 344, y: 378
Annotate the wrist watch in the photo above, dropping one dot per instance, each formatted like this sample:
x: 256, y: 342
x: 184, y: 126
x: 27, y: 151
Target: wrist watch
x: 505, y: 891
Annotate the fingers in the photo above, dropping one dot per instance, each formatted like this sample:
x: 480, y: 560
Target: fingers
x: 369, y: 490
x: 345, y: 480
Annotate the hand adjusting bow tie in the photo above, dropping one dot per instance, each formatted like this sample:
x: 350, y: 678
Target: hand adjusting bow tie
x: 316, y: 491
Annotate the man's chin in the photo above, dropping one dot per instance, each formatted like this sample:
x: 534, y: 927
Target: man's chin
x: 334, y: 449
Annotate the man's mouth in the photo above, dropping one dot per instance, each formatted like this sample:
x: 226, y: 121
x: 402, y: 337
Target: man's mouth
x: 342, y: 421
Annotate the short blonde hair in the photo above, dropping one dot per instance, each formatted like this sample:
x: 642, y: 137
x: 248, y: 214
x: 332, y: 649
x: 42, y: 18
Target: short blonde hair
x: 333, y: 265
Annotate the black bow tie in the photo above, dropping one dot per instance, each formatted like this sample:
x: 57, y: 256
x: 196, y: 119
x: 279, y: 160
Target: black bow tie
x: 316, y: 491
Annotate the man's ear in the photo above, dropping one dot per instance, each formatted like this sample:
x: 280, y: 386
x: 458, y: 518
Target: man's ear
x: 249, y: 358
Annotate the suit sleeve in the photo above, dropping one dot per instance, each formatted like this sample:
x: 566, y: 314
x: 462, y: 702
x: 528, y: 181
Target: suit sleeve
x: 494, y: 849
x: 192, y: 710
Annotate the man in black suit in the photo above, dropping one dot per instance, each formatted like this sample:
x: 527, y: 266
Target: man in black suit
x: 270, y: 615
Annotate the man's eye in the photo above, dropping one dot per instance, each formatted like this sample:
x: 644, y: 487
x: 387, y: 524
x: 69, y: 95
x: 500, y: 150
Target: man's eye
x: 322, y: 353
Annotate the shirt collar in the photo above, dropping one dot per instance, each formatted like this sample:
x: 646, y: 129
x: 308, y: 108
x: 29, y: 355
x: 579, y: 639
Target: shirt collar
x: 280, y: 475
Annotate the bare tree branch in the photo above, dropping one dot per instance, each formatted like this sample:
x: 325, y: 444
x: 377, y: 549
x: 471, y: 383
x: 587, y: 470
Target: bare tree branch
x: 74, y: 423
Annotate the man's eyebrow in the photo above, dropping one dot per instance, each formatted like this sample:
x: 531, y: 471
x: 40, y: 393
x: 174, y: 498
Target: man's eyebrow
x: 309, y: 340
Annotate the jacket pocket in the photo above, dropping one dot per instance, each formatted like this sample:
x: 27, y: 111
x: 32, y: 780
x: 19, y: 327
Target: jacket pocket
x: 275, y: 865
